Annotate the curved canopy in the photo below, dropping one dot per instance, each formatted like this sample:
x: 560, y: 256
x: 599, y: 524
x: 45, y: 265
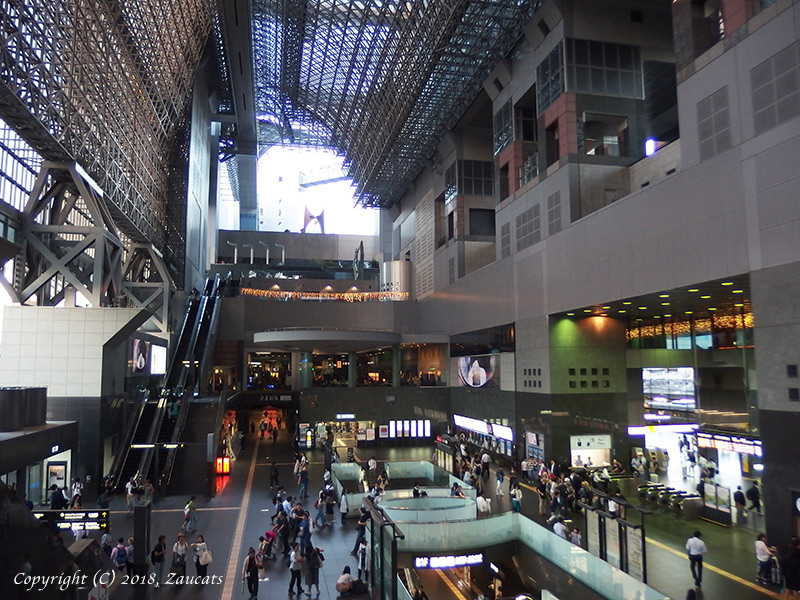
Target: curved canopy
x: 379, y: 80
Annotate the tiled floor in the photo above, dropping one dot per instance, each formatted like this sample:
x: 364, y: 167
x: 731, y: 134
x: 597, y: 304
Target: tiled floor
x: 233, y: 520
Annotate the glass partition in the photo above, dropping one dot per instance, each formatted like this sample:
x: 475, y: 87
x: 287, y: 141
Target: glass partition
x: 584, y: 567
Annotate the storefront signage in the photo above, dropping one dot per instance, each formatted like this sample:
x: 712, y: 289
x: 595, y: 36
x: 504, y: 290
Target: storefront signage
x: 345, y: 416
x: 54, y: 449
x: 731, y: 443
x: 589, y: 442
x: 471, y: 424
x: 504, y: 432
x: 670, y: 428
x: 447, y: 562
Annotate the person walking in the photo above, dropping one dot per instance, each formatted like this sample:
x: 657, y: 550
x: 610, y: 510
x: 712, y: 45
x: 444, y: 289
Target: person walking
x: 501, y: 476
x: 314, y: 560
x: 157, y: 558
x: 296, y: 561
x: 190, y: 516
x: 516, y: 498
x: 754, y: 495
x: 696, y: 548
x: 344, y: 505
x: 273, y: 476
x: 250, y: 572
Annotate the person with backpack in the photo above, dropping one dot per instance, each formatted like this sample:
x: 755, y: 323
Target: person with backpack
x: 119, y: 555
x: 157, y: 558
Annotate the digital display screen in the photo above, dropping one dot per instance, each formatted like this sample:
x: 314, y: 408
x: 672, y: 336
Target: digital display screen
x: 479, y: 371
x: 158, y: 360
x: 447, y: 562
x: 669, y: 389
x: 140, y: 356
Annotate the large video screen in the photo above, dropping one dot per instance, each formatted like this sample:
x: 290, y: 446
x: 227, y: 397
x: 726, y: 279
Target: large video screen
x: 481, y: 371
x: 158, y: 360
x: 669, y: 389
x: 140, y: 356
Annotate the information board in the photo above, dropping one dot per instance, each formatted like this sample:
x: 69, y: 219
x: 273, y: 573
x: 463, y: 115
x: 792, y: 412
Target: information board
x: 635, y: 557
x: 612, y: 543
x: 593, y: 533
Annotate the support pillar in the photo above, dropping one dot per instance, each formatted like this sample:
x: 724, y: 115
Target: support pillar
x: 396, y: 365
x: 352, y: 359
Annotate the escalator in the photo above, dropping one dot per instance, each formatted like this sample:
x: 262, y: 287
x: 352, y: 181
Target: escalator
x: 152, y: 425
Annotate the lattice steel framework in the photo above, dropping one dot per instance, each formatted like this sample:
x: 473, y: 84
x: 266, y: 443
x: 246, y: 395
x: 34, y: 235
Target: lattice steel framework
x: 105, y: 83
x: 381, y: 80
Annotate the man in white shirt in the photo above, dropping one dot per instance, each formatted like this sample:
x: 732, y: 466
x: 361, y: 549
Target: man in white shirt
x: 560, y: 529
x: 130, y: 494
x: 485, y: 460
x: 696, y: 549
x: 483, y: 505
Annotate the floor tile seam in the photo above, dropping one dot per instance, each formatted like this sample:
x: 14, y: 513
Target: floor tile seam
x: 236, y: 543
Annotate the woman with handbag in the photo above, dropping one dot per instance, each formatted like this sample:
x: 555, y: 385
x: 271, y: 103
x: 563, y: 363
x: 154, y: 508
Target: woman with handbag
x: 179, y: 549
x: 202, y: 556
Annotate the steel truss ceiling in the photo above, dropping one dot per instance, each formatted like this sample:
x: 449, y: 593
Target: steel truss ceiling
x: 381, y: 80
x: 105, y: 83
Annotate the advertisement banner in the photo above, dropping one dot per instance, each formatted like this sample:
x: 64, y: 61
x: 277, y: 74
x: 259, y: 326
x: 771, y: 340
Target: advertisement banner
x: 479, y: 371
x: 612, y: 543
x: 593, y: 533
x: 635, y: 549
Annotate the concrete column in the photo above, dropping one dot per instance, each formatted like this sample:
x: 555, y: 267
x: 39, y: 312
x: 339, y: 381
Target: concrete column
x: 352, y: 357
x: 306, y: 362
x: 396, y: 365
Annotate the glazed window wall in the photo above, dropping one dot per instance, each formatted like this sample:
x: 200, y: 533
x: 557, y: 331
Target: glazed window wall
x: 330, y: 370
x: 604, y: 69
x: 714, y: 332
x: 268, y: 371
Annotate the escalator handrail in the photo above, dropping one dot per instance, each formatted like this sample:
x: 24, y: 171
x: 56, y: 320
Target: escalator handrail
x: 177, y: 434
x: 152, y: 438
x: 211, y: 334
x: 125, y: 443
x: 200, y: 319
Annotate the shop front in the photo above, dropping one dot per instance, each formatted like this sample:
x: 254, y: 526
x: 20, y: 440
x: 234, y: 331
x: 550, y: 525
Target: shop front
x: 667, y: 447
x: 737, y: 456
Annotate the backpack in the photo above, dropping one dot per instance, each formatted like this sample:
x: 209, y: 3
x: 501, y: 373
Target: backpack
x: 122, y: 555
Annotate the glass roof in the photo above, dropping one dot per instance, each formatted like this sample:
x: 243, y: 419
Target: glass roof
x: 380, y: 81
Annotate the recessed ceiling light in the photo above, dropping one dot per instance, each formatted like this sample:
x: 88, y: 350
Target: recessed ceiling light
x: 605, y: 307
x: 663, y: 296
x: 727, y: 283
x: 705, y: 297
x: 737, y: 291
x: 665, y: 304
x: 642, y: 308
x: 623, y: 311
x: 688, y: 312
x: 587, y: 310
x: 657, y: 317
x: 739, y: 305
x: 627, y: 303
x: 570, y: 314
x: 712, y: 308
x: 694, y: 290
x: 667, y: 315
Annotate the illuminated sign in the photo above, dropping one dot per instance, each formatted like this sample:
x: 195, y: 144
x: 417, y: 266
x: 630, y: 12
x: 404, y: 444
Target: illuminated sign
x: 670, y: 428
x: 54, y: 449
x: 76, y: 520
x: 731, y: 443
x: 471, y: 424
x: 447, y: 562
x: 345, y: 416
x: 223, y: 465
x: 503, y: 432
